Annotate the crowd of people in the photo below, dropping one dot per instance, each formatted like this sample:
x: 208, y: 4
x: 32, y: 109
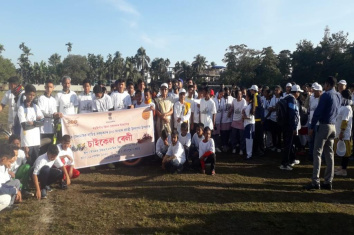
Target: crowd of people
x: 192, y: 124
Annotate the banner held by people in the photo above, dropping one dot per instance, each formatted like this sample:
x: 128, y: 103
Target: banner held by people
x: 102, y: 138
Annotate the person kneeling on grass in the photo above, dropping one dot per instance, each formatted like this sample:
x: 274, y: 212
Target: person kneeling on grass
x: 67, y: 157
x: 162, y: 144
x: 9, y: 189
x: 207, y: 151
x: 44, y: 175
x: 175, y: 157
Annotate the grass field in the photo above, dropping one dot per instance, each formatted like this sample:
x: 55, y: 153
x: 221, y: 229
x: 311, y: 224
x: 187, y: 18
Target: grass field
x: 245, y: 197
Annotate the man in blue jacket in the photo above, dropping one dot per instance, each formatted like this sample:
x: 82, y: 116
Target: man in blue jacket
x: 325, y: 113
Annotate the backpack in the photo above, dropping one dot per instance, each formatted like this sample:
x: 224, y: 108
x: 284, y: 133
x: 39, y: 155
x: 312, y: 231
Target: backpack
x: 282, y: 112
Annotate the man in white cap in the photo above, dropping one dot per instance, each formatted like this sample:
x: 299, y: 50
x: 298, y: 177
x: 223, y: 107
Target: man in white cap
x: 164, y: 111
x: 258, y: 111
x: 291, y: 129
x: 342, y: 85
x: 287, y: 89
x: 181, y: 111
x: 314, y: 98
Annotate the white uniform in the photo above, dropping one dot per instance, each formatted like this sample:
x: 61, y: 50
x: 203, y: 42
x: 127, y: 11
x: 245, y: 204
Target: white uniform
x: 67, y: 102
x: 121, y: 100
x: 207, y: 109
x: 31, y: 137
x: 178, y: 152
x: 21, y: 160
x: 102, y: 105
x: 44, y: 161
x: 48, y: 106
x: 85, y: 102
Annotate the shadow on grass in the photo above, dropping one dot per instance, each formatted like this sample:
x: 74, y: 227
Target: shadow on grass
x: 241, y: 222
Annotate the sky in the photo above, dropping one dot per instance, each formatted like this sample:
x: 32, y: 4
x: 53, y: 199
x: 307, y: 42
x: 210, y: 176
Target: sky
x: 174, y: 29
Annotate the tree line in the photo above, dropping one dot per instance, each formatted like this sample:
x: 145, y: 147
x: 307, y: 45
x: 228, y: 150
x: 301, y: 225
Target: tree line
x: 333, y: 55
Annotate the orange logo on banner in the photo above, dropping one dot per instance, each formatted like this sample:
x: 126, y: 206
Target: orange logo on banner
x: 146, y: 114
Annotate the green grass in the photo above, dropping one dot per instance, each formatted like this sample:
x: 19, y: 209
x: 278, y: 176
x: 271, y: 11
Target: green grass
x: 245, y: 197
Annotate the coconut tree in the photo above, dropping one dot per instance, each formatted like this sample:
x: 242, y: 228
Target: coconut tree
x: 69, y: 46
x: 142, y: 60
x: 199, y: 63
x: 2, y: 48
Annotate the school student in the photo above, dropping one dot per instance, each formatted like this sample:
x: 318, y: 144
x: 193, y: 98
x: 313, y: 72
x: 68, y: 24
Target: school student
x: 101, y: 102
x: 175, y: 157
x: 162, y: 144
x: 207, y: 151
x: 226, y: 120
x: 195, y: 111
x: 181, y: 111
x: 67, y: 157
x: 207, y: 110
x: 121, y: 98
x: 185, y: 138
x: 67, y: 100
x: 44, y: 174
x: 85, y: 98
x: 31, y: 119
x: 249, y: 124
x: 219, y: 105
x: 9, y: 189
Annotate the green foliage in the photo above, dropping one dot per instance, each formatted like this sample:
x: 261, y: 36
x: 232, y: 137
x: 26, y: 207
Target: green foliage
x: 7, y: 69
x: 77, y: 67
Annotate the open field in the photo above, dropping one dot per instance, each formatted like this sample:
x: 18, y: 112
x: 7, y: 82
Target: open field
x: 245, y: 197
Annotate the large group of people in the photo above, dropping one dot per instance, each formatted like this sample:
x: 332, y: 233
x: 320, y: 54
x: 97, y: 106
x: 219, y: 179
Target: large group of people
x: 192, y: 122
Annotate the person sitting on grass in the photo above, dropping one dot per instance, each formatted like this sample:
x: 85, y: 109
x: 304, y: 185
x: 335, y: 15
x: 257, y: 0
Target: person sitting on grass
x: 44, y: 174
x: 185, y: 139
x: 207, y: 151
x: 67, y: 157
x: 175, y: 157
x: 194, y: 149
x: 162, y: 144
x: 19, y: 169
x: 9, y: 189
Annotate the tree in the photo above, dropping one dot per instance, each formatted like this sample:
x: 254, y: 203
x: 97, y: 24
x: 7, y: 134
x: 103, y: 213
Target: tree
x: 75, y: 66
x: 2, y: 48
x: 142, y: 60
x: 268, y: 71
x: 199, y: 63
x: 25, y: 63
x: 54, y: 66
x: 158, y: 70
x: 40, y: 72
x: 284, y: 65
x: 304, y: 63
x: 7, y: 69
x: 70, y: 46
x: 130, y: 70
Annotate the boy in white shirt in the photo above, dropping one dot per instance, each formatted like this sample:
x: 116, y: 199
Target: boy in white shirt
x: 85, y: 98
x: 162, y: 144
x: 185, y: 139
x: 175, y: 157
x: 196, y: 111
x: 181, y: 111
x: 67, y: 100
x: 207, y: 110
x: 44, y: 174
x: 121, y: 98
x: 31, y: 119
x: 207, y: 151
x: 249, y: 124
x: 194, y: 149
x: 67, y: 157
x: 101, y: 101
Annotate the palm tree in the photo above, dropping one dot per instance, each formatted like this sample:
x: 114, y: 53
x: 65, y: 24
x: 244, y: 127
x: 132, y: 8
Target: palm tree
x: 118, y: 65
x: 24, y: 62
x: 1, y: 48
x: 142, y: 60
x: 199, y: 63
x: 70, y: 46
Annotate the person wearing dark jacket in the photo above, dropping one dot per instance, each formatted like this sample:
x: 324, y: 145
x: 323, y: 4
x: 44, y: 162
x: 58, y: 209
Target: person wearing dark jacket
x: 258, y: 110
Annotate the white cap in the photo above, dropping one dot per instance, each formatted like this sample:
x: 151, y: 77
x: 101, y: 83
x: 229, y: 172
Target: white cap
x: 164, y: 85
x: 182, y: 91
x: 341, y: 148
x: 316, y: 87
x: 314, y: 84
x: 342, y: 82
x: 254, y: 87
x: 296, y: 88
x: 289, y: 84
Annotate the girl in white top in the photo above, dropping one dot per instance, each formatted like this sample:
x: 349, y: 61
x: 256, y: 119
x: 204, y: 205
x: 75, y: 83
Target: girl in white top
x: 275, y: 130
x: 237, y: 139
x: 344, y: 122
x: 249, y: 124
x: 207, y: 110
x: 226, y: 119
x: 181, y: 111
x: 207, y: 151
x: 175, y: 156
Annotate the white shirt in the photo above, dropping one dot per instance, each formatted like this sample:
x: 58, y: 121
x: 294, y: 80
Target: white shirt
x: 196, y: 140
x: 195, y: 110
x: 177, y: 151
x: 219, y: 105
x: 174, y: 97
x: 44, y: 161
x: 9, y: 99
x: 121, y: 100
x: 48, y: 106
x: 21, y: 160
x: 161, y: 147
x: 185, y: 140
x: 67, y: 102
x: 178, y: 112
x: 273, y: 103
x: 266, y: 106
x: 4, y: 175
x: 250, y: 117
x: 85, y: 102
x: 68, y: 152
x: 102, y: 105
x: 238, y: 107
x: 313, y: 105
x: 205, y: 147
x: 151, y: 104
x: 227, y: 104
x: 207, y: 109
x: 31, y: 137
x: 344, y: 113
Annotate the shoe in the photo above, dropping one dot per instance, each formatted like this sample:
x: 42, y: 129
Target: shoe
x: 43, y: 193
x: 48, y: 188
x: 337, y: 169
x: 279, y: 150
x: 249, y: 157
x: 295, y: 162
x: 326, y: 186
x: 241, y: 152
x: 286, y: 168
x: 213, y: 173
x: 111, y: 166
x: 312, y: 187
x: 202, y: 171
x: 341, y: 172
x: 217, y: 150
x: 234, y: 151
x: 63, y: 185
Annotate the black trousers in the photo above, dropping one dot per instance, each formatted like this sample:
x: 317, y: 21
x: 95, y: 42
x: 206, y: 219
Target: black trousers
x: 276, y: 134
x: 48, y: 176
x: 258, y: 143
x: 289, y: 148
x: 33, y: 153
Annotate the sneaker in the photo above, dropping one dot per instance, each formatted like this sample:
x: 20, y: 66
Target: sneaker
x: 312, y: 187
x: 48, y: 188
x: 341, y: 172
x: 43, y: 193
x: 63, y: 185
x: 234, y: 151
x: 217, y: 150
x: 337, y: 169
x: 286, y: 168
x: 326, y: 186
x: 279, y: 150
x: 111, y: 166
x: 249, y: 157
x: 295, y: 162
x: 241, y: 152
